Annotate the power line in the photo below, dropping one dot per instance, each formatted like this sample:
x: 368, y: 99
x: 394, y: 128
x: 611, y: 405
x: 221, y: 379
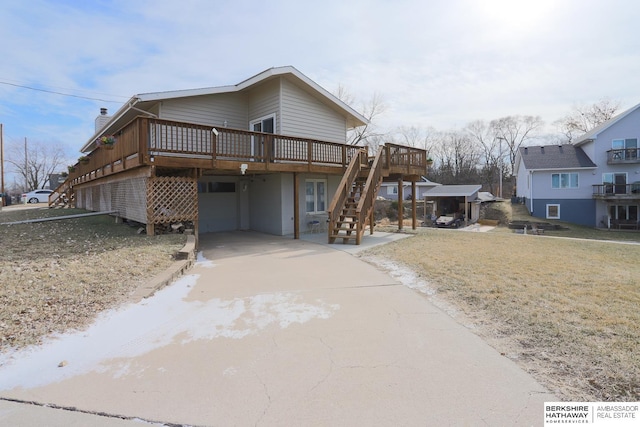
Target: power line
x: 60, y: 93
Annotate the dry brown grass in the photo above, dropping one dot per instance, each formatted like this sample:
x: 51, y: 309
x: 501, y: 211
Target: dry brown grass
x: 59, y: 275
x: 566, y: 310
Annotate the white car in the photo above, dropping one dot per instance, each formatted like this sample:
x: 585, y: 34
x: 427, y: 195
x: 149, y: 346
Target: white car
x: 36, y: 196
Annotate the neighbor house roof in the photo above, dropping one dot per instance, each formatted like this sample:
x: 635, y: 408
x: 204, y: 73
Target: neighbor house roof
x: 593, y: 133
x: 555, y: 157
x: 453, y: 191
x: 138, y: 104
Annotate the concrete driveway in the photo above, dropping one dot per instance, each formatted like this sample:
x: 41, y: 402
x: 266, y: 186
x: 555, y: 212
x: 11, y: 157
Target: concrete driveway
x: 270, y: 331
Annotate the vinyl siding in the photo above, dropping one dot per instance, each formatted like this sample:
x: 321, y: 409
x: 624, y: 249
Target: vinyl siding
x: 264, y: 101
x: 581, y: 212
x: 628, y: 127
x: 210, y: 110
x: 542, y: 185
x: 307, y: 117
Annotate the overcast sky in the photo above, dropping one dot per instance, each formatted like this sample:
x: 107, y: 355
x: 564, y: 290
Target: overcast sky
x: 438, y: 63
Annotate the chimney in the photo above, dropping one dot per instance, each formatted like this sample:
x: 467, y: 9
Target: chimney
x: 102, y: 119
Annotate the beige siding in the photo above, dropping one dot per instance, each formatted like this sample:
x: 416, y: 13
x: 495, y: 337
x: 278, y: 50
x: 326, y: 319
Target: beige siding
x: 264, y: 101
x: 211, y: 110
x: 305, y: 116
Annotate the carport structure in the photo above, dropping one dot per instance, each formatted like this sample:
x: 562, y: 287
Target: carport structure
x: 455, y: 199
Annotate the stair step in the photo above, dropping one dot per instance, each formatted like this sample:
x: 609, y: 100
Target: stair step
x: 344, y: 236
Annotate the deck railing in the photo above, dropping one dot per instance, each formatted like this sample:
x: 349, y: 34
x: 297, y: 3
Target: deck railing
x: 405, y: 160
x: 356, y: 164
x: 615, y: 190
x: 370, y: 191
x: 145, y: 139
x: 623, y: 155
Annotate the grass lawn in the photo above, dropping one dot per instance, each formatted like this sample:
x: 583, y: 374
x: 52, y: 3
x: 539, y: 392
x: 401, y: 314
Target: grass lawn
x: 566, y: 310
x: 59, y: 275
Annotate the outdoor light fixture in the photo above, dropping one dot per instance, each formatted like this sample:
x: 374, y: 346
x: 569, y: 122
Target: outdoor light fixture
x: 215, y: 131
x: 243, y: 168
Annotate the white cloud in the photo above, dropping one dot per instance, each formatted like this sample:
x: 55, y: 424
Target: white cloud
x: 438, y: 63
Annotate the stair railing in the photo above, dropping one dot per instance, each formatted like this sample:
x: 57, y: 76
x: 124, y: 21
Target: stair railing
x: 368, y: 196
x: 346, y: 183
x: 58, y: 193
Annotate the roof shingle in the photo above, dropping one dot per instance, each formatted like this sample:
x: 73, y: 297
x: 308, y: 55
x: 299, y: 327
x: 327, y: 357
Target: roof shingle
x: 565, y: 156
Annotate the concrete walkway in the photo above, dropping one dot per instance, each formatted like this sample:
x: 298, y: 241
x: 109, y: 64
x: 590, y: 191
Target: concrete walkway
x: 271, y: 331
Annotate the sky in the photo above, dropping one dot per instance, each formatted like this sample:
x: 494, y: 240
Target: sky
x: 434, y: 63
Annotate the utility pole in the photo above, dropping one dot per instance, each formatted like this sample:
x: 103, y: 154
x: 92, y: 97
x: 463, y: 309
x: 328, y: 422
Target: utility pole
x: 26, y: 166
x: 500, y: 139
x: 2, y: 166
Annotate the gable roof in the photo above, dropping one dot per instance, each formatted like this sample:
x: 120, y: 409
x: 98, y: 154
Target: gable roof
x: 139, y: 103
x: 453, y: 191
x: 565, y: 156
x: 593, y: 133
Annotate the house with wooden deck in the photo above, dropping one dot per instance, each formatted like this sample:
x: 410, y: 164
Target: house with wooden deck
x: 267, y: 154
x: 594, y: 181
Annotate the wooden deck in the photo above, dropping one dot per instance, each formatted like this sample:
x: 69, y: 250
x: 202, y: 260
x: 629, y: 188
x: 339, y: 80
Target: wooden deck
x: 177, y: 145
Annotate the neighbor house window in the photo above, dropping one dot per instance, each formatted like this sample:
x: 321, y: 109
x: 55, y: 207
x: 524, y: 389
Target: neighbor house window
x: 564, y: 180
x: 626, y: 212
x: 316, y: 195
x: 553, y: 211
x: 625, y: 148
x: 392, y: 189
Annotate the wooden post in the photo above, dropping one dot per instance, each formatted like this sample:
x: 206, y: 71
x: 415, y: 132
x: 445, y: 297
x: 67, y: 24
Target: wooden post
x: 414, y: 222
x: 372, y: 219
x: 466, y: 211
x: 400, y: 206
x: 296, y: 207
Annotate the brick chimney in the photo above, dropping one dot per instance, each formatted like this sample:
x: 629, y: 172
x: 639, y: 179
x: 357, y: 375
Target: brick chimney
x: 102, y: 119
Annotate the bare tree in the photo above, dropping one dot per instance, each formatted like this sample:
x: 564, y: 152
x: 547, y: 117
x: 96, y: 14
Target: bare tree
x: 366, y: 135
x: 34, y: 161
x: 418, y: 137
x: 515, y: 131
x: 583, y: 118
x: 484, y: 137
x: 457, y: 158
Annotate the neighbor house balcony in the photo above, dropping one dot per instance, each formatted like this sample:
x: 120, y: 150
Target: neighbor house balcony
x: 177, y: 145
x: 623, y: 156
x: 617, y: 191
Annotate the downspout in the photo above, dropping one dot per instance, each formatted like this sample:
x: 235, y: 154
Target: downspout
x: 531, y: 192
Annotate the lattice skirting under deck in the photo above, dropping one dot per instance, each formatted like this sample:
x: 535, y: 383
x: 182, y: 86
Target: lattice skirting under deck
x: 171, y: 199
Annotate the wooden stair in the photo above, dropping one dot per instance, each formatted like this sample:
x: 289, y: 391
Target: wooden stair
x: 63, y: 196
x: 346, y: 226
x: 351, y: 209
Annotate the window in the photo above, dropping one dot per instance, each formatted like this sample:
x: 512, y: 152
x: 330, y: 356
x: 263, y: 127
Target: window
x: 316, y: 195
x: 625, y: 212
x: 564, y: 180
x: 615, y: 183
x: 553, y: 211
x: 625, y: 148
x: 216, y: 187
x: 392, y: 189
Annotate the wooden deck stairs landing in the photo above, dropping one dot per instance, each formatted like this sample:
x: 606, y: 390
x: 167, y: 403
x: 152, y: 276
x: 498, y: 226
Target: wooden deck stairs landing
x: 351, y: 209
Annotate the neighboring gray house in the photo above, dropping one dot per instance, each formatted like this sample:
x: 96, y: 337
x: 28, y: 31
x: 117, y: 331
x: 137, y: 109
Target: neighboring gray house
x: 594, y: 182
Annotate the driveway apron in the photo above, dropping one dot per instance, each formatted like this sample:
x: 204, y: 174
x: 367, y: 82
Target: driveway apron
x: 272, y: 331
